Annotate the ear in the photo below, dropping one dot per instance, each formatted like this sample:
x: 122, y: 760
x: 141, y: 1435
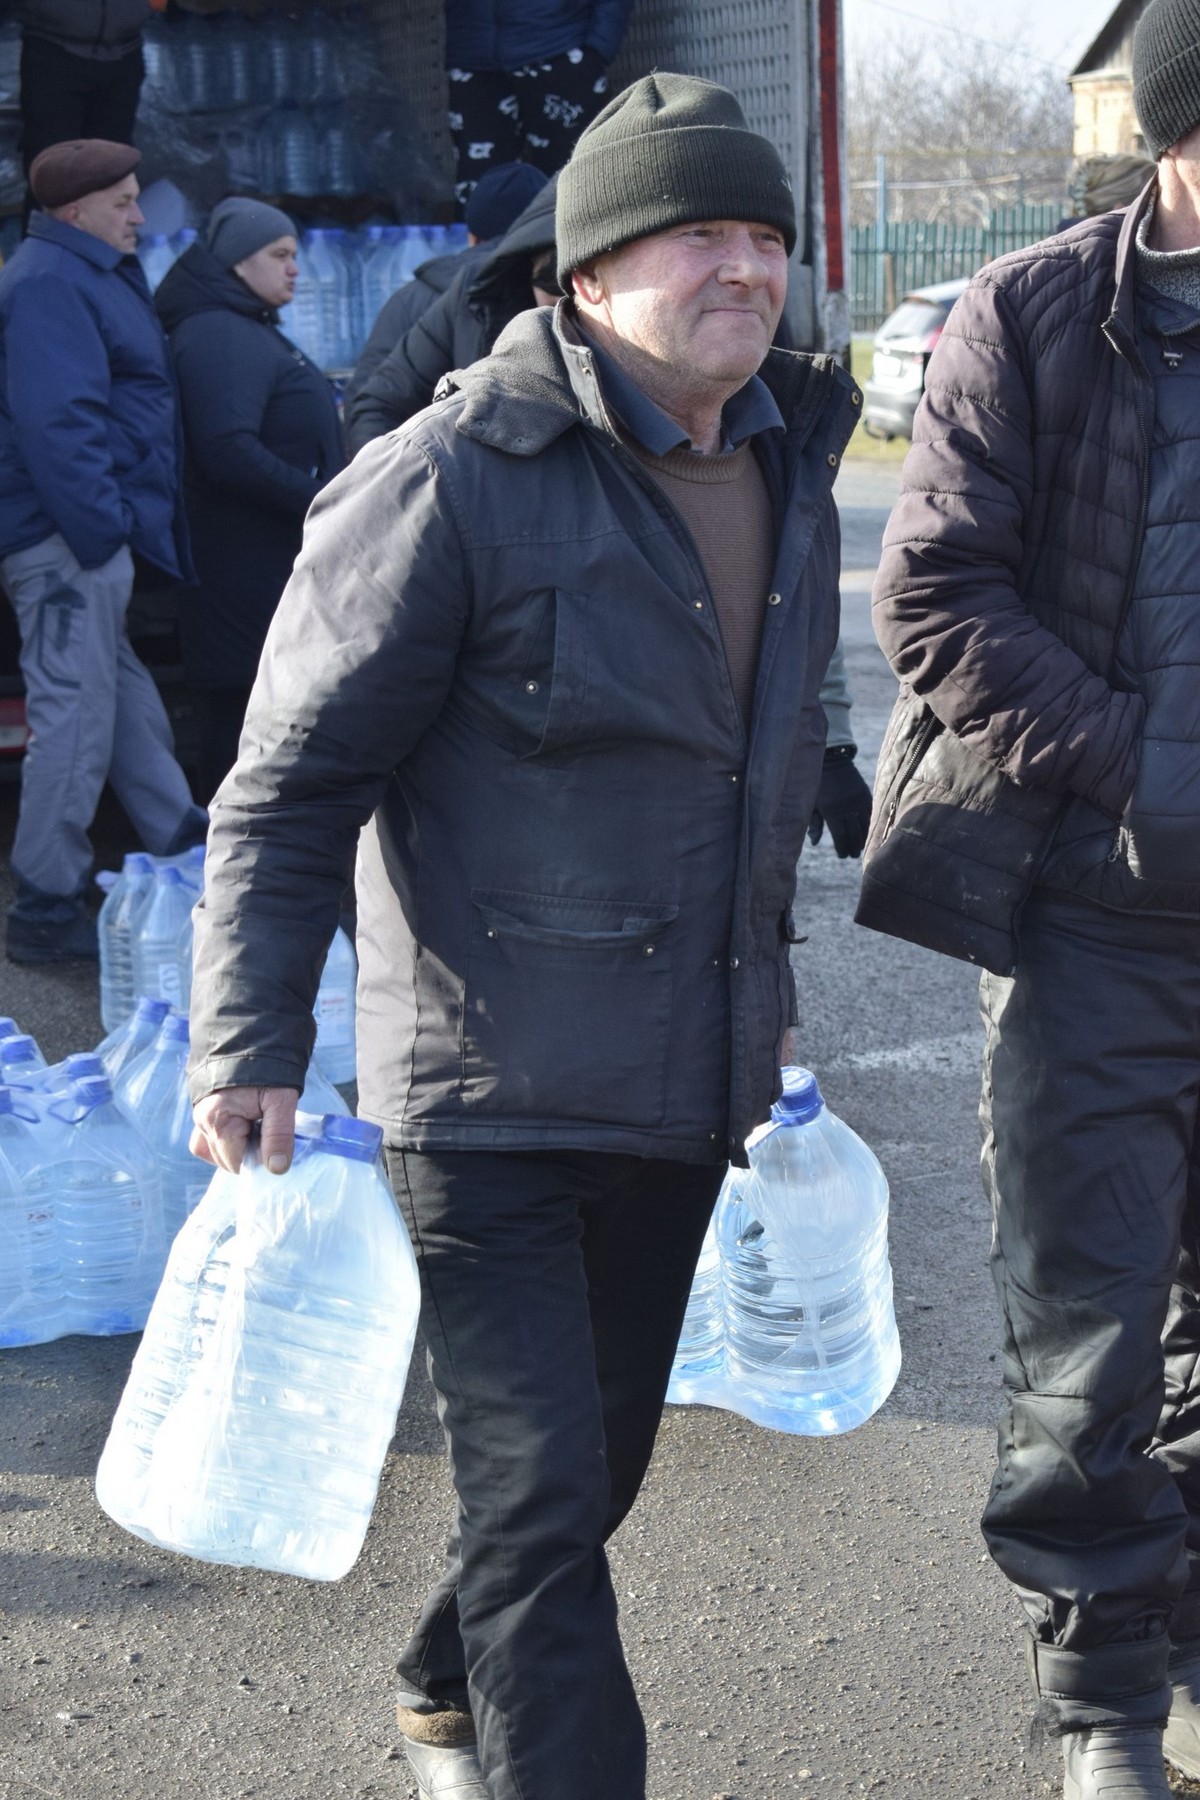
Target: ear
x: 587, y: 283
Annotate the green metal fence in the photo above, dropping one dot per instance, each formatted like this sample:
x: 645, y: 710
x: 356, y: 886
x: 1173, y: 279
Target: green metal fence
x: 916, y: 255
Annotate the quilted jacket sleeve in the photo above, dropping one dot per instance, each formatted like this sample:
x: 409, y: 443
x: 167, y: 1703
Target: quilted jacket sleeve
x: 947, y: 606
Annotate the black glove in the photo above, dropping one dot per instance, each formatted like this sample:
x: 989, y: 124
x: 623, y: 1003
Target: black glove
x: 843, y: 803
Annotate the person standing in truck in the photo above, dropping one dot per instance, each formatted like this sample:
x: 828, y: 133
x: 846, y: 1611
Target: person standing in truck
x: 554, y: 651
x: 526, y: 76
x: 81, y: 71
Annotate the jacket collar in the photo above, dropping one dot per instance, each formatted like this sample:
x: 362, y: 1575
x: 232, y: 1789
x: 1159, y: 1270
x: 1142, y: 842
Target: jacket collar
x: 1121, y: 328
x: 69, y: 237
x: 542, y: 378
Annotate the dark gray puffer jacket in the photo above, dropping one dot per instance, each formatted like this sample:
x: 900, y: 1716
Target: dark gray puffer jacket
x: 500, y: 647
x: 1008, y: 571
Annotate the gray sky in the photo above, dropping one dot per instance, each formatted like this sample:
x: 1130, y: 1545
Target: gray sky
x: 1057, y: 31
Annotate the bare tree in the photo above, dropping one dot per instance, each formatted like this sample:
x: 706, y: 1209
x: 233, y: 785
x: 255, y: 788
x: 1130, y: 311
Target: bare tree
x: 966, y: 128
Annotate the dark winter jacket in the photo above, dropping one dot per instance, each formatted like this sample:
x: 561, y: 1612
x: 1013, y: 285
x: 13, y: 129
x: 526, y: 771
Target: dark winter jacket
x: 457, y: 329
x: 262, y: 438
x: 89, y: 427
x: 101, y: 29
x: 1007, y: 572
x: 507, y: 34
x: 574, y: 895
x: 399, y: 314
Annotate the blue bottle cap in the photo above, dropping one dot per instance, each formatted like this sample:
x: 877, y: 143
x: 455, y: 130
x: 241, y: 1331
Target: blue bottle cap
x: 150, y: 1008
x: 138, y: 863
x: 170, y: 876
x: 174, y: 1029
x: 356, y: 1138
x: 81, y: 1063
x: 9, y: 1028
x: 20, y: 1048
x: 92, y: 1090
x: 800, y: 1100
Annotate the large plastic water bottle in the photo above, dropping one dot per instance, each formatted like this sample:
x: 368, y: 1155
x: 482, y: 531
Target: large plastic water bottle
x: 115, y: 927
x: 125, y: 1045
x: 264, y: 1393
x: 331, y: 276
x: 334, y: 1049
x: 162, y: 940
x: 296, y: 151
x: 279, y: 67
x: 301, y: 320
x: 21, y: 1062
x: 241, y: 61
x: 810, y: 1335
x: 698, y: 1371
x: 32, y: 1297
x: 107, y: 1198
x: 155, y: 255
x: 155, y: 1095
x: 379, y: 245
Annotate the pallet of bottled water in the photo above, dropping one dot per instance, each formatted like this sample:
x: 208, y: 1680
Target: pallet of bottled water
x: 790, y: 1321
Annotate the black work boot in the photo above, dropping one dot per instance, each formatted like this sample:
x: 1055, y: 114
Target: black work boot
x: 440, y: 1748
x: 1115, y: 1763
x: 1181, y: 1742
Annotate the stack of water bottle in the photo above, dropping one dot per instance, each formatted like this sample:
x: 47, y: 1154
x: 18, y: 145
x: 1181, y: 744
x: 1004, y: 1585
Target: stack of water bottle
x: 790, y: 1321
x: 146, y: 933
x: 96, y: 1177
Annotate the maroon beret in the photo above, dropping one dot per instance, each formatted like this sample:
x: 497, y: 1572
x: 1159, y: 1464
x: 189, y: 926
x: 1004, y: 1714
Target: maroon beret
x: 67, y: 172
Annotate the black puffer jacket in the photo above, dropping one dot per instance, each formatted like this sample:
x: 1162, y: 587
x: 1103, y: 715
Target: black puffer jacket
x: 261, y: 438
x: 574, y: 896
x: 457, y: 329
x: 1008, y: 569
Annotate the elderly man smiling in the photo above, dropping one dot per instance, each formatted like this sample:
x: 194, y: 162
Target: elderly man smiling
x: 557, y: 644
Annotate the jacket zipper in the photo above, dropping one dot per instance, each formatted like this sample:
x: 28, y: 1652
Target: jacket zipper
x: 916, y: 752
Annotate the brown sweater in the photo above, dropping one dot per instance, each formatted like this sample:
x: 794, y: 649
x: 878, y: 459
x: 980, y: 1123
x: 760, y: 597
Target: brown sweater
x: 726, y: 506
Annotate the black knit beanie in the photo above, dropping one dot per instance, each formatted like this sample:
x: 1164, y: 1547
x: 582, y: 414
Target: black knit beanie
x: 669, y: 150
x: 1166, y: 72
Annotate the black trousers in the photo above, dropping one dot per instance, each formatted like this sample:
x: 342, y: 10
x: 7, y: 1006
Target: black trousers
x: 1091, y: 1116
x: 553, y: 1290
x: 532, y: 115
x: 66, y: 96
x: 221, y: 713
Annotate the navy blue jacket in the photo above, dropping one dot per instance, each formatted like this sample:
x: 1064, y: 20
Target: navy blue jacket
x: 262, y: 438
x: 507, y: 34
x: 500, y: 649
x: 90, y: 442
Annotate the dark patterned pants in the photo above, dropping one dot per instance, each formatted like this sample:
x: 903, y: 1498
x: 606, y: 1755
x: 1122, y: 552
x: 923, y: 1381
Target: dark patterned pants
x: 528, y: 115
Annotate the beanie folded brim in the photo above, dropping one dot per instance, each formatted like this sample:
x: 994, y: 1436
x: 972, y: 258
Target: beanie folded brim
x: 612, y: 193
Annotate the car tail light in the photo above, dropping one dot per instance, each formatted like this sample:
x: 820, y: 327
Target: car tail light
x: 14, y: 731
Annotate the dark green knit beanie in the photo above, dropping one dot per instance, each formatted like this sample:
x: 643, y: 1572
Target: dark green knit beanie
x: 669, y: 150
x: 1166, y: 72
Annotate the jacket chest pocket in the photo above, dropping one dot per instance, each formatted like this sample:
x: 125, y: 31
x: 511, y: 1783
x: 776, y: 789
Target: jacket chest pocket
x: 615, y: 667
x: 567, y: 1008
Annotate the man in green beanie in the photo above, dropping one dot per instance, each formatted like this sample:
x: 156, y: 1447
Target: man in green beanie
x: 1039, y: 815
x: 555, y: 647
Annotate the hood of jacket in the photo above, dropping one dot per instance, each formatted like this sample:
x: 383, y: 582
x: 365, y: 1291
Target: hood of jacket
x: 197, y: 283
x: 502, y: 279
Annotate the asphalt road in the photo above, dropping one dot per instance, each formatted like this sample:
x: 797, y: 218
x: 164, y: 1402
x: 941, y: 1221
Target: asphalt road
x: 803, y: 1618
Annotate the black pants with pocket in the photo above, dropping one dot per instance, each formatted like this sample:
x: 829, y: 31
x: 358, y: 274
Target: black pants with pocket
x: 553, y: 1289
x: 1091, y: 1116
x: 532, y: 115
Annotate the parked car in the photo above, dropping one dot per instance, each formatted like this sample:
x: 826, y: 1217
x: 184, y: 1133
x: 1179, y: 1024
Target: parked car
x: 903, y: 346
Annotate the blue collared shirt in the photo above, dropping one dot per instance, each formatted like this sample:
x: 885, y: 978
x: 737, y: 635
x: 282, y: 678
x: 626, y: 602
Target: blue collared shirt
x: 751, y: 410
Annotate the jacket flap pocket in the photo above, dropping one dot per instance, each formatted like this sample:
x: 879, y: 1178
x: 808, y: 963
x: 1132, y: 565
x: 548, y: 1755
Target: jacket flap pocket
x: 570, y: 922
